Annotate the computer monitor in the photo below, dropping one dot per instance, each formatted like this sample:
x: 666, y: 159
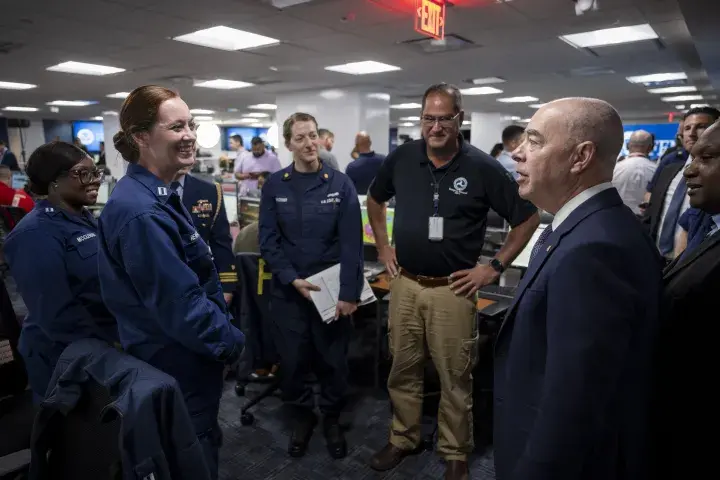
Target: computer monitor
x: 248, y: 210
x: 368, y: 237
x: 90, y: 133
x: 19, y: 179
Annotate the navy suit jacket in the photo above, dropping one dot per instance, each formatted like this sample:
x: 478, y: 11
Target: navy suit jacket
x: 204, y: 201
x: 573, y: 356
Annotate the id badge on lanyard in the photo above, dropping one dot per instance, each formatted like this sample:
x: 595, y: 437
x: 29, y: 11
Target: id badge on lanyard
x: 436, y: 223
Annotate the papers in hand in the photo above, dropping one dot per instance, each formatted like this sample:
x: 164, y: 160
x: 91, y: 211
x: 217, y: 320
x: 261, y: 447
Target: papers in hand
x: 326, y: 299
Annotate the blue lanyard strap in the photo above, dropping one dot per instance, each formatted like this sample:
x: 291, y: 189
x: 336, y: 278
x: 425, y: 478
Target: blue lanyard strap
x: 436, y: 189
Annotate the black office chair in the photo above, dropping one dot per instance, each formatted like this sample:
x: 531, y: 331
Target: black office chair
x: 16, y: 406
x: 253, y: 318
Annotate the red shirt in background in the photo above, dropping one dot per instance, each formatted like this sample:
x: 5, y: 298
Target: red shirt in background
x: 15, y: 198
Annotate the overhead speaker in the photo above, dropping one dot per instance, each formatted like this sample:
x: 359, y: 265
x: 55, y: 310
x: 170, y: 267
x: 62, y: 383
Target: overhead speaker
x: 18, y: 123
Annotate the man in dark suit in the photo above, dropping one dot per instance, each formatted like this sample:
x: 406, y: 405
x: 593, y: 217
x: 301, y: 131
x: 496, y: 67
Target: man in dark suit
x: 687, y: 355
x: 204, y: 201
x: 573, y: 356
x: 363, y: 169
x: 8, y: 158
x: 668, y: 199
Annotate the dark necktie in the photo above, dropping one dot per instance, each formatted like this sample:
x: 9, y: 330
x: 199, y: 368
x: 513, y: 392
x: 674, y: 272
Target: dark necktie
x: 540, y: 242
x: 667, y: 235
x: 701, y: 234
x: 175, y: 186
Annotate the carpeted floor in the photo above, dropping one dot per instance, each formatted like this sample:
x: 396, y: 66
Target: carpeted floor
x: 258, y: 452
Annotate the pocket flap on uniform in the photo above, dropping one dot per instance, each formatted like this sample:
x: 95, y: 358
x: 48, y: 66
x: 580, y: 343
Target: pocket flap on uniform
x: 86, y: 244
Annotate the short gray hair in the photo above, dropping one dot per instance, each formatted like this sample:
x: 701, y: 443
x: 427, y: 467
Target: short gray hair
x: 446, y: 89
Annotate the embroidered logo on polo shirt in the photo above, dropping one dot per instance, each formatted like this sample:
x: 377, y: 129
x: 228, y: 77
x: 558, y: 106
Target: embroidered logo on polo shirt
x: 194, y: 236
x: 459, y: 186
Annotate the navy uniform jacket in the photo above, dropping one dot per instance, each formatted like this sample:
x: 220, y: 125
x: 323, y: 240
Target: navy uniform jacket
x: 573, y: 358
x: 204, y: 201
x: 52, y: 256
x: 363, y: 170
x: 300, y: 237
x: 157, y: 275
x: 157, y: 438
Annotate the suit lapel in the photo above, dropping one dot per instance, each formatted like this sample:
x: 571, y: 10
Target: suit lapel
x: 685, y: 260
x: 605, y: 199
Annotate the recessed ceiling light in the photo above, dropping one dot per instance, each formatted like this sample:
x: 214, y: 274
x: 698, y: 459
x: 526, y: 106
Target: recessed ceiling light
x: 247, y: 120
x: 406, y: 106
x: 657, y: 77
x: 221, y: 84
x: 699, y: 105
x: 226, y: 38
x: 84, y: 68
x: 255, y: 124
x: 480, y: 91
x: 610, y: 36
x: 110, y: 112
x: 679, y: 107
x: 21, y: 109
x: 257, y: 115
x: 410, y: 119
x: 16, y: 86
x: 680, y: 89
x: 406, y: 124
x: 682, y: 98
x: 523, y: 99
x: 379, y: 96
x: 70, y: 103
x: 513, y: 118
x: 96, y: 118
x: 118, y: 95
x: 488, y: 81
x: 466, y: 122
x: 201, y: 111
x: 263, y: 106
x: 536, y: 105
x: 363, y: 68
x: 203, y: 118
x: 525, y: 120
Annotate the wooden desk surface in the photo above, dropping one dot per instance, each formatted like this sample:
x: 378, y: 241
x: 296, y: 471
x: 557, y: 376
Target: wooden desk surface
x: 382, y: 284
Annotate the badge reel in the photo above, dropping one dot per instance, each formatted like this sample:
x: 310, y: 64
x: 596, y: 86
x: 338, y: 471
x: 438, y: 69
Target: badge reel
x: 435, y: 223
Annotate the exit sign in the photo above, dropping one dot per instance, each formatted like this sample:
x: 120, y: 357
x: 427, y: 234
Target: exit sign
x: 430, y: 18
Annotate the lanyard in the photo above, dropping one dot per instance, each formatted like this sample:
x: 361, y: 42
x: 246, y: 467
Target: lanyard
x: 436, y: 189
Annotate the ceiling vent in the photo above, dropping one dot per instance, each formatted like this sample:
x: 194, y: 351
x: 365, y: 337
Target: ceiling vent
x: 9, y: 47
x: 588, y: 72
x: 451, y: 43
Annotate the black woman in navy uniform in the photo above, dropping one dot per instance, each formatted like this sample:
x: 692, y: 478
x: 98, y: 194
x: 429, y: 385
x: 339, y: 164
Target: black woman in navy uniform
x: 156, y: 272
x: 204, y: 201
x: 52, y: 254
x: 309, y: 221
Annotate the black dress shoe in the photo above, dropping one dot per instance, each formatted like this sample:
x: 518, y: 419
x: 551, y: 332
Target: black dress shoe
x: 335, y: 438
x: 302, y: 432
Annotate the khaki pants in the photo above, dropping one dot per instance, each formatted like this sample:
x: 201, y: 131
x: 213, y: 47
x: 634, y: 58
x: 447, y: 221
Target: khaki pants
x: 435, y: 321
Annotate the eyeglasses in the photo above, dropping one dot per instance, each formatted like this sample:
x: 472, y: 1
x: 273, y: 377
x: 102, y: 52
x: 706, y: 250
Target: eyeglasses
x: 445, y: 122
x: 87, y: 176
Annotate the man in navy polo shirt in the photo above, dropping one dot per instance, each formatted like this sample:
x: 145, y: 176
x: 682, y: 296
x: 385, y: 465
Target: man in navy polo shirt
x: 363, y: 170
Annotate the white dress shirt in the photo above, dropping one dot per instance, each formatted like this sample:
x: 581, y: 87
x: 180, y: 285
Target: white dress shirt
x: 631, y: 177
x: 668, y: 198
x: 507, y: 161
x: 576, y: 201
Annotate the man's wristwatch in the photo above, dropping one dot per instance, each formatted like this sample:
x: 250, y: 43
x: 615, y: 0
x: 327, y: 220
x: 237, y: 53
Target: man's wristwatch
x: 497, y: 265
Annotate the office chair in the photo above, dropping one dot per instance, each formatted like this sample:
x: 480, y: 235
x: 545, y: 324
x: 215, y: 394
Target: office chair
x: 253, y: 318
x: 16, y: 406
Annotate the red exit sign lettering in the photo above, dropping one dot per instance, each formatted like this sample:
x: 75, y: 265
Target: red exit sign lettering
x: 430, y: 18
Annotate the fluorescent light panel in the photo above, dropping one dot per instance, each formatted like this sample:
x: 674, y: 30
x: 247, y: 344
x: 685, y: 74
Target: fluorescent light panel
x: 406, y: 124
x: 488, y: 81
x: 698, y: 105
x: 203, y: 118
x: 21, y: 109
x: 679, y: 89
x: 221, y: 84
x: 84, y: 68
x: 226, y: 38
x: 257, y: 115
x: 410, y: 119
x: 201, y: 111
x: 121, y: 95
x: 480, y: 91
x: 262, y: 106
x: 682, y: 98
x: 522, y: 99
x: 610, y: 36
x: 536, y: 105
x: 70, y: 103
x: 96, y: 118
x: 657, y: 77
x: 363, y: 68
x: 110, y: 112
x: 406, y: 106
x: 16, y: 86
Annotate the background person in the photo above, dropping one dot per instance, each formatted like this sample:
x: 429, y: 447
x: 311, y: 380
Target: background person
x: 156, y: 272
x: 52, y: 254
